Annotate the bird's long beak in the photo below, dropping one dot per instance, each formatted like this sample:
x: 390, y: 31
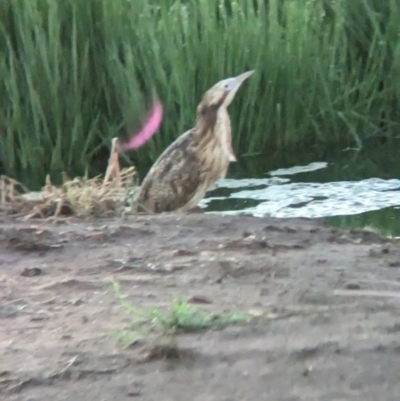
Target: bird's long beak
x: 242, y: 77
x: 235, y: 84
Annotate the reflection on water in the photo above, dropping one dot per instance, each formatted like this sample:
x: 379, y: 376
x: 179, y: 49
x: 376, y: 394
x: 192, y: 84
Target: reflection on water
x: 315, y: 200
x: 347, y: 188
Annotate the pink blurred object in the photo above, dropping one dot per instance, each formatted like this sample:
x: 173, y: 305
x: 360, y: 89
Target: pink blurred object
x: 150, y: 128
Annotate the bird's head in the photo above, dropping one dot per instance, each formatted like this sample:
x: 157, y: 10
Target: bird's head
x: 223, y: 92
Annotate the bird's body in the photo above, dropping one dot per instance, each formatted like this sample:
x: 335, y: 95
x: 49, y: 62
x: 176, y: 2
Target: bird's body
x: 192, y: 164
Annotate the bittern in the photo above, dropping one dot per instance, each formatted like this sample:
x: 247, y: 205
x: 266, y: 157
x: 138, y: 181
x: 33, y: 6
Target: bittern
x: 191, y: 165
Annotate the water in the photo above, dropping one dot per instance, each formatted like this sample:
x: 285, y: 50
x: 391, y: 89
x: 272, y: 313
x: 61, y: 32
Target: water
x: 347, y: 188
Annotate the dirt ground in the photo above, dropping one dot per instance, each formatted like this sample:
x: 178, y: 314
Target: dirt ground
x: 326, y: 307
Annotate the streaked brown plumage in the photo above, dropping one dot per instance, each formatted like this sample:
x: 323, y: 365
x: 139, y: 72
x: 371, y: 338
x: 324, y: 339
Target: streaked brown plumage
x: 192, y: 164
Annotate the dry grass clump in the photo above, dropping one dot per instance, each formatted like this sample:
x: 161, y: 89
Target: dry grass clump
x: 81, y: 197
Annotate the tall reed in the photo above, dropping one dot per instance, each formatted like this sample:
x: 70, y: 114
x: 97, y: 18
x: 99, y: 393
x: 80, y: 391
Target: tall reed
x: 75, y: 73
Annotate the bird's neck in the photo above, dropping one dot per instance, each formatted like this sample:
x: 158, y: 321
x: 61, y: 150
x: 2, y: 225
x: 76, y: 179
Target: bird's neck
x: 223, y: 132
x: 209, y: 118
x: 215, y: 127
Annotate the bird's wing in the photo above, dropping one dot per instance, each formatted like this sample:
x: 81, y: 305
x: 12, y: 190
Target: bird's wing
x: 173, y: 180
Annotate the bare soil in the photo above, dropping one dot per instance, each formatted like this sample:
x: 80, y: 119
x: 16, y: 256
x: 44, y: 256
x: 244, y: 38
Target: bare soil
x: 326, y: 307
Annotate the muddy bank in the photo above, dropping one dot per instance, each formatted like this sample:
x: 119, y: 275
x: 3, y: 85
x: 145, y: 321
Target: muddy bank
x: 325, y: 306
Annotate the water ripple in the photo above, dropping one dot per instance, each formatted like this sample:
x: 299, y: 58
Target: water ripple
x: 312, y: 200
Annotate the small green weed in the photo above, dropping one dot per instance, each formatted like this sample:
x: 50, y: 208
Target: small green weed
x: 180, y: 317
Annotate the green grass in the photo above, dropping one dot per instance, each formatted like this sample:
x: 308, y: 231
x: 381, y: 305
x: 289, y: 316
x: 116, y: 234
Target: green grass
x: 75, y: 73
x: 180, y: 317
